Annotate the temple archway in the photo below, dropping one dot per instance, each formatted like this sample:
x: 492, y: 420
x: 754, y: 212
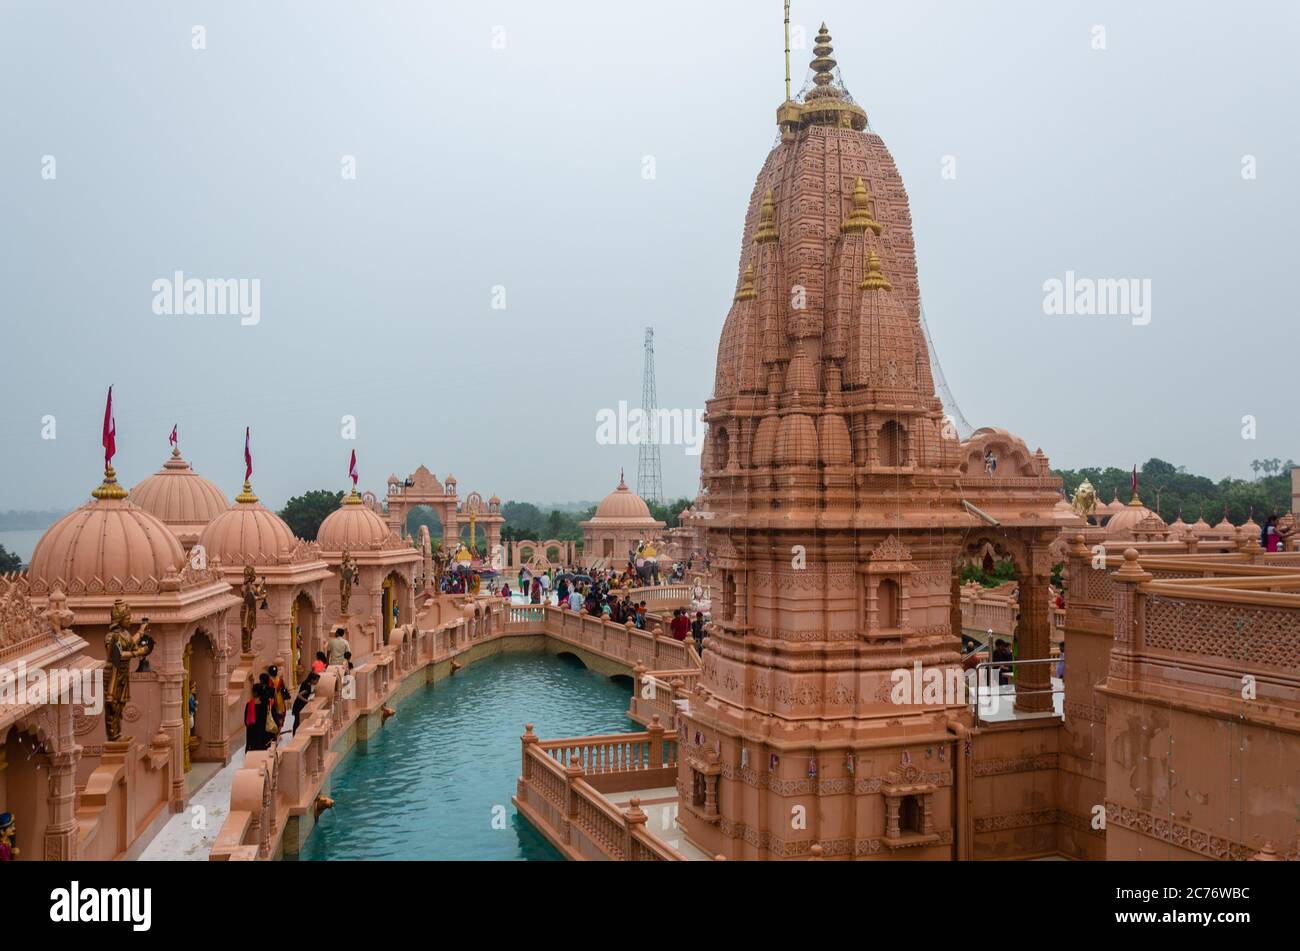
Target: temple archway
x: 394, y: 599
x: 423, y: 515
x: 303, y: 625
x: 24, y: 789
x: 202, y: 709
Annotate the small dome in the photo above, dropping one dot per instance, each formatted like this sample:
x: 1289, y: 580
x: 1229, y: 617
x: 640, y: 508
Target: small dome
x: 1134, y: 517
x: 247, y: 533
x: 110, y: 538
x: 623, y: 503
x: 796, y: 442
x: 833, y: 436
x: 765, y: 442
x: 180, y: 498
x: 352, y: 526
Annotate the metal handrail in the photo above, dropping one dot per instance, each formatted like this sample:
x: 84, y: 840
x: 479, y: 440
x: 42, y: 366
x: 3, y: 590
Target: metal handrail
x: 1001, y: 665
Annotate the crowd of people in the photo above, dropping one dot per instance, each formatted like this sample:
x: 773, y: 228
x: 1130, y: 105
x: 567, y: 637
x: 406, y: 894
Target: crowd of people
x: 268, y: 707
x: 603, y: 594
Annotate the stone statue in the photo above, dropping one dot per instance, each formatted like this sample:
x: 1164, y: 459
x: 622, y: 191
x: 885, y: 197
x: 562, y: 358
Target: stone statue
x: 440, y: 561
x: 120, y: 647
x: 1085, y: 499
x: 253, y: 592
x: 349, y: 575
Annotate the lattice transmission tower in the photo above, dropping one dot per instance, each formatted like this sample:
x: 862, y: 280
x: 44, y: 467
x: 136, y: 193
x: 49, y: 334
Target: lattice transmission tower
x: 649, y: 469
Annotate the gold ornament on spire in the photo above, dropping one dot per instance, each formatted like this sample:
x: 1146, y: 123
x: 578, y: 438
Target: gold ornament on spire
x: 746, y: 291
x: 767, y: 220
x: 860, y: 218
x: 827, y: 103
x: 246, y: 497
x: 109, y: 489
x: 875, y: 280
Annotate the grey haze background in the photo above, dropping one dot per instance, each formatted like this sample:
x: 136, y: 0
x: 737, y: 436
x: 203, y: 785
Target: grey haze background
x: 522, y: 167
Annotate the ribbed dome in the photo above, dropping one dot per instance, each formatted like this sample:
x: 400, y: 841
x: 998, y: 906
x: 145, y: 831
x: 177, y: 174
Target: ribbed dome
x: 623, y: 504
x: 110, y: 538
x: 181, y: 498
x: 352, y: 526
x: 1128, y: 518
x: 247, y: 533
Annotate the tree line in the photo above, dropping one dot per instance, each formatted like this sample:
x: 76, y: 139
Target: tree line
x: 1169, y: 490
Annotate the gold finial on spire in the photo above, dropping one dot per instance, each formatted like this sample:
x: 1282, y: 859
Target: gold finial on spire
x: 109, y: 489
x: 246, y: 497
x: 767, y: 220
x: 860, y: 219
x: 747, y: 291
x: 828, y: 103
x: 875, y: 280
x: 823, y: 63
x: 353, y: 499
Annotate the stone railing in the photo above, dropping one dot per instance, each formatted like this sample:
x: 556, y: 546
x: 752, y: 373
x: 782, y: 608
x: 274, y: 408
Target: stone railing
x: 662, y: 595
x: 1238, y: 627
x: 282, y: 785
x: 562, y: 787
x: 658, y: 693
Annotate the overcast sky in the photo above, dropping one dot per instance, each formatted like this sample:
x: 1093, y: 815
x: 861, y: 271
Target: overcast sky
x: 522, y: 167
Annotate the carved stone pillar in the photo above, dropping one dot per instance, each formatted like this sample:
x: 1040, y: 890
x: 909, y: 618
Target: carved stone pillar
x: 1034, y: 639
x: 892, y: 827
x: 61, y: 832
x: 170, y: 683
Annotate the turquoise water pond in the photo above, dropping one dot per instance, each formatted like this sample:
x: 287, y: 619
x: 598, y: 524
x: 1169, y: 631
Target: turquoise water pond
x: 436, y: 781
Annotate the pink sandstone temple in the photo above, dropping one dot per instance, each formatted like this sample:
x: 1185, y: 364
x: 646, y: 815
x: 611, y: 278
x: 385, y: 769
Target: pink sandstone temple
x: 834, y: 713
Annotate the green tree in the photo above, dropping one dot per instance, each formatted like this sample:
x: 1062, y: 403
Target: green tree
x: 423, y: 515
x: 669, y: 512
x: 9, y: 561
x: 304, y: 513
x: 1174, y: 490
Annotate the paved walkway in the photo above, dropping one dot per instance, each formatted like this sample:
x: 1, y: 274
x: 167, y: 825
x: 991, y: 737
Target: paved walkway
x: 188, y: 835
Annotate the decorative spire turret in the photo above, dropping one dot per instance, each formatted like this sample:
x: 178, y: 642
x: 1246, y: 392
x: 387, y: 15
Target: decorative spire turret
x: 875, y: 279
x: 767, y: 220
x: 860, y: 218
x: 747, y: 291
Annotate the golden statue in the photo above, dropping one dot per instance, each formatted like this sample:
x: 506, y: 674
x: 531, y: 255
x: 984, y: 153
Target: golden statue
x: 252, y: 592
x: 1085, y: 499
x: 349, y: 574
x: 120, y: 647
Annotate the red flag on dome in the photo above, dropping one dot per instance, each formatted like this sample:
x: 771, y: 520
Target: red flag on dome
x: 1135, y: 480
x: 172, y: 438
x: 110, y: 431
x: 352, y: 469
x: 248, y: 457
